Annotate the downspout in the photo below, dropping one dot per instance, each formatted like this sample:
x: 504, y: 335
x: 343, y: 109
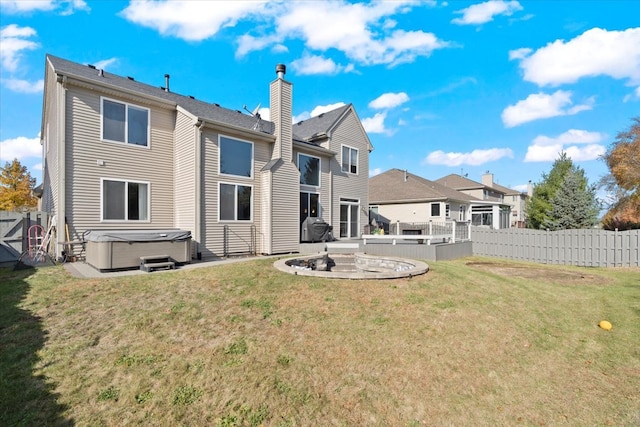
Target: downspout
x: 198, y: 213
x: 331, y: 198
x: 61, y: 209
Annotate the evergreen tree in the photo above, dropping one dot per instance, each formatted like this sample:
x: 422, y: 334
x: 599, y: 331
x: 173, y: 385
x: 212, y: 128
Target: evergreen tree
x: 540, y: 203
x: 573, y: 206
x: 16, y: 188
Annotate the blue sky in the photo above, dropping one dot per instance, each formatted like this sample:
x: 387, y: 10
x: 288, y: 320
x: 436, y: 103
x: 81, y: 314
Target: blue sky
x: 441, y: 87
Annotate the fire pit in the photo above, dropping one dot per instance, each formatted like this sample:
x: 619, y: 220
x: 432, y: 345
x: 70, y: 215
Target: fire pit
x: 351, y: 266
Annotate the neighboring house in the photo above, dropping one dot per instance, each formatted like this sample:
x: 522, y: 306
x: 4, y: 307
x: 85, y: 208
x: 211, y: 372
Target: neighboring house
x: 124, y: 155
x: 514, y: 198
x: 496, y: 215
x: 404, y: 197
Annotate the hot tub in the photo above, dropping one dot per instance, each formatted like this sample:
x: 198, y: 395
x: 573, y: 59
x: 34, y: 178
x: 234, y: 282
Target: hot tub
x: 122, y: 249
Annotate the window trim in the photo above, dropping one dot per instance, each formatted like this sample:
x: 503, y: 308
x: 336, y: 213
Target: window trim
x: 220, y: 136
x: 319, y: 171
x: 235, y: 195
x: 357, y: 165
x: 126, y: 127
x: 126, y: 220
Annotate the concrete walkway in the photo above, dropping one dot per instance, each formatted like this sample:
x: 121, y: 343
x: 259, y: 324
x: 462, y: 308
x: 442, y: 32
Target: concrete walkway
x: 83, y: 270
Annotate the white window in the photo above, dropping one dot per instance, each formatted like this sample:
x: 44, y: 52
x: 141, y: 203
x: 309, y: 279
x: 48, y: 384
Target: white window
x: 236, y: 157
x: 462, y: 216
x: 124, y: 200
x: 349, y: 159
x: 235, y: 202
x: 309, y: 168
x: 125, y: 123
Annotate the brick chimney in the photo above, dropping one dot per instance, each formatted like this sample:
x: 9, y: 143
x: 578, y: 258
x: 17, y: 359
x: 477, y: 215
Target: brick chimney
x: 281, y: 100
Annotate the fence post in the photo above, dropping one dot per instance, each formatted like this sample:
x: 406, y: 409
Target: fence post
x: 430, y: 227
x: 453, y: 232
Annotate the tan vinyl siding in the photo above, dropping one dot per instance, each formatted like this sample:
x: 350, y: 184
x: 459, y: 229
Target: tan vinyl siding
x: 84, y: 148
x: 347, y: 185
x: 51, y: 129
x: 241, y: 237
x: 285, y: 209
x: 185, y: 173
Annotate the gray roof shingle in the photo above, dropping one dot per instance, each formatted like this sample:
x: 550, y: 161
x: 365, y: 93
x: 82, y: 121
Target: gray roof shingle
x: 303, y: 131
x: 391, y: 186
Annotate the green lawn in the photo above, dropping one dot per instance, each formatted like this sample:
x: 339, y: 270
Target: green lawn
x: 473, y: 342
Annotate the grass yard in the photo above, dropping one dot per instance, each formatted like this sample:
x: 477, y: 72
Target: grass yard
x: 475, y: 342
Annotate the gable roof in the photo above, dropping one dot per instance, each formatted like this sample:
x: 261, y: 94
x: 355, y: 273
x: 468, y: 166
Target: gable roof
x: 391, y: 186
x: 304, y: 131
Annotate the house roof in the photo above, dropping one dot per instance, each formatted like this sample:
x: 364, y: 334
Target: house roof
x: 391, y: 186
x: 459, y: 182
x: 463, y: 183
x: 304, y: 131
x: 506, y: 190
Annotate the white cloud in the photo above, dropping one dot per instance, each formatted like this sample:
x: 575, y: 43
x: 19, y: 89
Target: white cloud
x: 593, y: 53
x: 484, y: 12
x: 13, y: 40
x: 324, y: 108
x: 632, y: 96
x: 542, y: 106
x: 29, y: 6
x: 389, y: 100
x: 474, y: 158
x: 374, y: 172
x: 314, y: 64
x: 375, y: 124
x: 24, y: 86
x: 361, y: 31
x: 364, y: 33
x: 106, y: 63
x: 20, y: 148
x: 580, y: 145
x: 191, y: 20
x: 22, y: 6
x: 572, y: 136
x: 317, y: 111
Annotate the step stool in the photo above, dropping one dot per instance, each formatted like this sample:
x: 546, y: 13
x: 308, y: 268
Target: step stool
x: 156, y: 262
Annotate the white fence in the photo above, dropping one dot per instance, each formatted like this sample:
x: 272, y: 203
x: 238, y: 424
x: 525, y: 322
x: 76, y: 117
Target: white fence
x: 584, y: 247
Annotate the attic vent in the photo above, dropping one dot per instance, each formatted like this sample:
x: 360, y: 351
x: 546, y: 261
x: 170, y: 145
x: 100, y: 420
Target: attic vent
x: 190, y: 96
x: 321, y: 114
x: 217, y: 105
x: 238, y: 111
x: 93, y: 67
x: 131, y: 78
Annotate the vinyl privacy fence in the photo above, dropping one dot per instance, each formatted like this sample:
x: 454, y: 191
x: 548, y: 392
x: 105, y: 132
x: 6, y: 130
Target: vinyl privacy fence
x: 584, y: 247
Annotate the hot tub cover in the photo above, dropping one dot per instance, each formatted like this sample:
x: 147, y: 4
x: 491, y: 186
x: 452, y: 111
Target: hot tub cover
x: 137, y: 235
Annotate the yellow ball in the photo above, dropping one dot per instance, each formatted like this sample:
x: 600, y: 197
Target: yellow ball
x: 605, y: 325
